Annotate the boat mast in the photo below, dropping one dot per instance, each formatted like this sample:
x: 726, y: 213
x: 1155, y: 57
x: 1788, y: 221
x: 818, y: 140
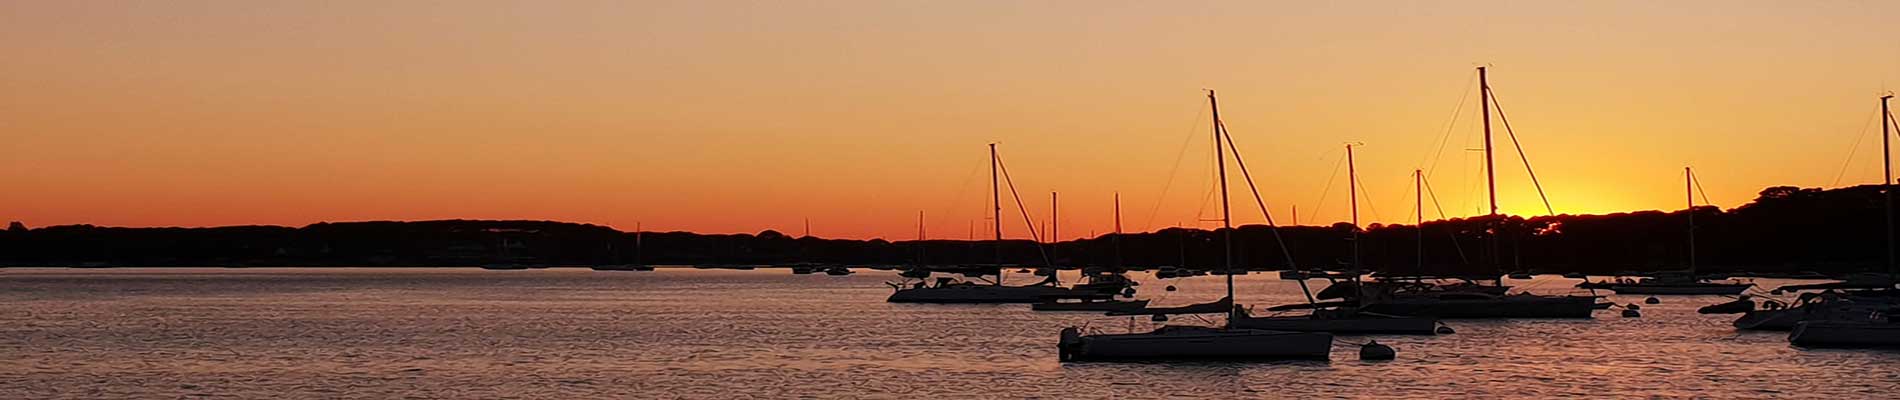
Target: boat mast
x: 996, y: 206
x: 1226, y: 218
x: 1352, y: 191
x: 920, y: 238
x: 1418, y: 187
x: 1688, y: 190
x: 1117, y: 241
x: 1886, y: 186
x: 1490, y: 173
x: 1053, y: 239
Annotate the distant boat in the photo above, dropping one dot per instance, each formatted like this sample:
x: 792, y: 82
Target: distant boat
x: 1521, y: 276
x: 1775, y: 316
x: 837, y: 271
x: 1176, y: 342
x: 1086, y: 305
x: 1690, y: 284
x: 950, y: 291
x: 1874, y: 331
x: 639, y: 253
x: 504, y: 255
x: 1199, y: 342
x: 1684, y: 286
x: 1576, y: 275
x: 1340, y: 317
x: 506, y: 267
x: 622, y: 267
x: 1481, y: 303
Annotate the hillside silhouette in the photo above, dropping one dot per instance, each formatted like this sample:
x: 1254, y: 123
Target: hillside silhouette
x: 1785, y: 229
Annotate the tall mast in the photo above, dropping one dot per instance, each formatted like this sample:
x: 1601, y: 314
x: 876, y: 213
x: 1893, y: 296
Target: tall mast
x: 1226, y: 218
x: 920, y: 237
x: 1352, y: 191
x: 996, y: 207
x: 1418, y: 187
x: 1688, y: 190
x: 1490, y: 174
x: 1118, y: 231
x: 639, y: 251
x: 1053, y: 239
x: 1886, y: 186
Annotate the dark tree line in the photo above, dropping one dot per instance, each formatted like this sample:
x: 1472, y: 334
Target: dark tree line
x: 1785, y: 229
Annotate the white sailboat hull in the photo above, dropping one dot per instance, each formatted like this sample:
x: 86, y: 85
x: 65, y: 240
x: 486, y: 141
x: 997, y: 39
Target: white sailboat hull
x: 1190, y: 343
x: 1845, y: 334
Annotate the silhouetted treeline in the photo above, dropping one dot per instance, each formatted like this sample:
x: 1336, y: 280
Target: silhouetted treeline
x: 1784, y: 229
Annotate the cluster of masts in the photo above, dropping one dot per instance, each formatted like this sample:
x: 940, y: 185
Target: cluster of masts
x: 1353, y: 305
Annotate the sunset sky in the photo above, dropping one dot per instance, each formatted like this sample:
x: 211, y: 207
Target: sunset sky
x: 726, y: 116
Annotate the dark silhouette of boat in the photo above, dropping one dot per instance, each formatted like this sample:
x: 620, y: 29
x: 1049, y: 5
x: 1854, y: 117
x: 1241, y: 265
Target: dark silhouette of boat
x: 1199, y: 342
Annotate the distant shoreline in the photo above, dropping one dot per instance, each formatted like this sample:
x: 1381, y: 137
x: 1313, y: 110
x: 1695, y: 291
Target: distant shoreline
x: 1785, y: 231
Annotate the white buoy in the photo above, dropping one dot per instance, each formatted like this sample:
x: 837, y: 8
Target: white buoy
x: 1372, y: 351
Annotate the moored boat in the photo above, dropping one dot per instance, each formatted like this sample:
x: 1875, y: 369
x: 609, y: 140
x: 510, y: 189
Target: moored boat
x: 1878, y: 332
x: 1201, y: 342
x: 1177, y: 342
x: 1084, y: 305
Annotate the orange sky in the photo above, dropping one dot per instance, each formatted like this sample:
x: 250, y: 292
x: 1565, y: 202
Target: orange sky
x: 742, y: 116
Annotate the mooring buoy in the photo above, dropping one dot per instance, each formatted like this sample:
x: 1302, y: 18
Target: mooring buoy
x: 1652, y: 300
x: 1373, y: 351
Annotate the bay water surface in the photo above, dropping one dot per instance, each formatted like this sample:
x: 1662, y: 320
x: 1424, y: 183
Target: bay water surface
x: 689, y: 333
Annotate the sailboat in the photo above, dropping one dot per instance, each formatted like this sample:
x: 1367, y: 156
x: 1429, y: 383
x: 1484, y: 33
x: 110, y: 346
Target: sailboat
x: 1880, y: 328
x: 1342, y: 317
x: 1200, y: 342
x: 1099, y: 281
x: 1841, y: 300
x: 1686, y: 284
x: 639, y: 252
x: 950, y: 290
x: 1427, y: 300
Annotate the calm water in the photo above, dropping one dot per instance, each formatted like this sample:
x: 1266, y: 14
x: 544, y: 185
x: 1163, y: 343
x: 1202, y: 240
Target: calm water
x: 684, y: 333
